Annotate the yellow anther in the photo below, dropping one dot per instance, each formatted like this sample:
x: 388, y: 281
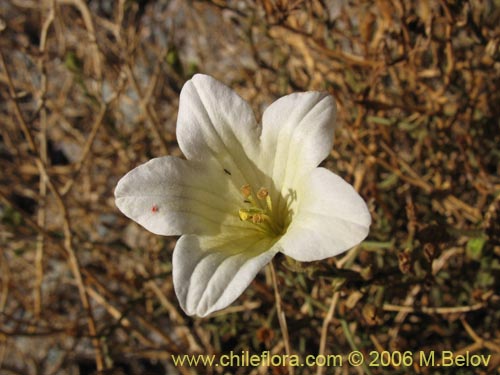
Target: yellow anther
x: 253, y: 214
x: 262, y: 193
x: 244, y: 215
x: 246, y: 190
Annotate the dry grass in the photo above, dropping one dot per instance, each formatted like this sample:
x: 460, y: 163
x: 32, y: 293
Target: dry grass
x: 89, y: 89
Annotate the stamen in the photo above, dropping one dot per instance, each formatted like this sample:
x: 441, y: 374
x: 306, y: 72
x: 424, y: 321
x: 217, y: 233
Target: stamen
x: 244, y: 215
x: 257, y: 218
x: 246, y: 190
x: 262, y: 193
x: 256, y: 213
x: 269, y: 203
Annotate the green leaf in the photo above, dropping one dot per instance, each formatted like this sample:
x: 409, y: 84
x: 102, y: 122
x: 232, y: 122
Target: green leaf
x: 475, y: 247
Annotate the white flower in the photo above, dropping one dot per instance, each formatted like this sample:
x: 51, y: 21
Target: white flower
x: 245, y: 192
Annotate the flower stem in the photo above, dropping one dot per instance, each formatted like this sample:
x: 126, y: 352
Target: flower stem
x: 350, y: 339
x: 281, y: 316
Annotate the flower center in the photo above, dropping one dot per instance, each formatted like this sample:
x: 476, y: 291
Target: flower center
x: 259, y: 212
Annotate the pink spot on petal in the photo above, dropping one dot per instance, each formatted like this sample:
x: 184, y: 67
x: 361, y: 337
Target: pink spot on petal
x: 155, y: 208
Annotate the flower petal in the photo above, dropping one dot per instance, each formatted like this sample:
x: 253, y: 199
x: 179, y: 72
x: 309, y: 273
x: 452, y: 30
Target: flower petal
x: 331, y: 217
x: 211, y: 272
x: 214, y: 123
x: 171, y: 196
x: 297, y: 134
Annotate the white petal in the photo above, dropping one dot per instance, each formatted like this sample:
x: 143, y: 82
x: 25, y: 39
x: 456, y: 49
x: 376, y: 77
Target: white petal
x: 214, y: 123
x: 297, y: 135
x: 331, y: 217
x: 211, y: 272
x: 171, y: 196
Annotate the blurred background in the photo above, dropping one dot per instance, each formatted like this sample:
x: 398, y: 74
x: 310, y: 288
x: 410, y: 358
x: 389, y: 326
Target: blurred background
x: 89, y: 89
